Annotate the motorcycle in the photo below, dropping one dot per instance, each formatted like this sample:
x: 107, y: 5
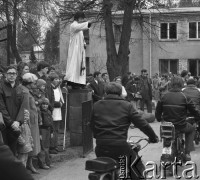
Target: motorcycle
x: 173, y: 146
x: 105, y: 168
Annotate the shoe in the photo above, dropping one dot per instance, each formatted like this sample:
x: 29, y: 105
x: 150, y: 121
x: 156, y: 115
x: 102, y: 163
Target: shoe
x: 53, y: 151
x: 51, y: 166
x: 187, y: 157
x: 44, y: 167
x: 30, y: 166
x: 32, y: 169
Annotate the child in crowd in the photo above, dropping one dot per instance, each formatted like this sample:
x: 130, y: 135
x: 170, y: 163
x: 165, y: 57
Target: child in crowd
x: 25, y: 140
x: 46, y: 130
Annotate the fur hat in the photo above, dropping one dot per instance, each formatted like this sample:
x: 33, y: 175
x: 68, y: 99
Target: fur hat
x: 29, y: 77
x: 40, y: 82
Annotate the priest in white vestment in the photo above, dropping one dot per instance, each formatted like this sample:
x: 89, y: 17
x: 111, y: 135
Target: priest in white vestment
x: 76, y: 66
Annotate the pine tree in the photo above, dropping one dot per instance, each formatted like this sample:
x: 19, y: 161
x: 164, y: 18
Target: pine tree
x: 29, y: 35
x: 51, y: 49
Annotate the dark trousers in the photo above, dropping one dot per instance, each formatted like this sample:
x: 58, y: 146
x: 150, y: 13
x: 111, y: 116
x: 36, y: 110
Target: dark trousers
x: 43, y: 156
x: 54, y: 140
x: 189, y: 131
x: 10, y: 140
x: 115, y: 152
x: 148, y: 104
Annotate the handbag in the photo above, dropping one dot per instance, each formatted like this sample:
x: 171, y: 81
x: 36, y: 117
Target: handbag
x: 2, y: 124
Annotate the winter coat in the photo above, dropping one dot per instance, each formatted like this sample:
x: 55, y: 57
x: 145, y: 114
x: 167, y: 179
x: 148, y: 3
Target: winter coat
x: 132, y: 87
x: 145, y: 82
x: 47, y: 120
x: 111, y: 119
x: 50, y: 95
x: 98, y: 90
x: 8, y: 106
x: 27, y: 102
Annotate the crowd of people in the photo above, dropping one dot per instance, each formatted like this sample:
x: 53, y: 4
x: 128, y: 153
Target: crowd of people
x: 30, y: 104
x: 140, y: 90
x: 174, y: 96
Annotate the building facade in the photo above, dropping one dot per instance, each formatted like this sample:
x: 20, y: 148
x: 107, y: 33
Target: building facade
x: 38, y: 51
x: 162, y: 41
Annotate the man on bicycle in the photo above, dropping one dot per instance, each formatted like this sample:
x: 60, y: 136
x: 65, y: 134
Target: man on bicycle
x: 110, y: 122
x: 173, y: 107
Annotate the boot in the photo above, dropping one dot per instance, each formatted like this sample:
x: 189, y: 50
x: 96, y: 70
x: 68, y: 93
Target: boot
x: 31, y: 167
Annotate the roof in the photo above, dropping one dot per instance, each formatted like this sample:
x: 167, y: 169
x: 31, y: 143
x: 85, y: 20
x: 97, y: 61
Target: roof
x: 38, y: 48
x: 185, y: 10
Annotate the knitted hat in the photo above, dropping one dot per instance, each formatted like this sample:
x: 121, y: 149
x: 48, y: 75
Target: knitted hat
x: 44, y: 101
x: 40, y: 82
x: 29, y: 77
x: 53, y: 76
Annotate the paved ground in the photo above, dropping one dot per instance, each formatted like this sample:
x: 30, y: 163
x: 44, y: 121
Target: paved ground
x: 74, y: 169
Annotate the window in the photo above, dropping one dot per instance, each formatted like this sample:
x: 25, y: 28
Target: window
x: 168, y: 65
x: 168, y: 31
x: 117, y: 31
x: 194, y: 67
x: 194, y: 30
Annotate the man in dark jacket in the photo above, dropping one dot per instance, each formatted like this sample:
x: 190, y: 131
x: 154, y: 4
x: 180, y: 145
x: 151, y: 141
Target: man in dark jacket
x: 110, y: 121
x: 193, y: 92
x: 145, y: 91
x: 10, y: 167
x: 173, y: 107
x: 97, y: 86
x: 9, y: 108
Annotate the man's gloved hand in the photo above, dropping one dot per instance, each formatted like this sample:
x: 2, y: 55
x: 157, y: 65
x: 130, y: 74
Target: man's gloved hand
x: 155, y: 140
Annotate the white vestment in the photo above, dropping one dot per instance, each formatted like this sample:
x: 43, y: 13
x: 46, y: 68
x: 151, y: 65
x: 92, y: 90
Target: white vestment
x: 76, y: 66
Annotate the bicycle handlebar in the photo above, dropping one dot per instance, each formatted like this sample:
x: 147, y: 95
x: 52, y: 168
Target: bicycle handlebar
x: 141, y: 139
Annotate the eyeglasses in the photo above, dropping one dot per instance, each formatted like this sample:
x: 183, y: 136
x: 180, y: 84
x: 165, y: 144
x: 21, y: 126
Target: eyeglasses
x: 10, y: 74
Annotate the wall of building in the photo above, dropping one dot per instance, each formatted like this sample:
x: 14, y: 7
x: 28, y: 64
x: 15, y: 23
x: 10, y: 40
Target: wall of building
x: 181, y: 49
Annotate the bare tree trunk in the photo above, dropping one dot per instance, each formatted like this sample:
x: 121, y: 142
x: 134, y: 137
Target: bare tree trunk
x: 112, y: 64
x: 12, y: 29
x: 118, y: 63
x: 14, y: 33
x: 123, y: 52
